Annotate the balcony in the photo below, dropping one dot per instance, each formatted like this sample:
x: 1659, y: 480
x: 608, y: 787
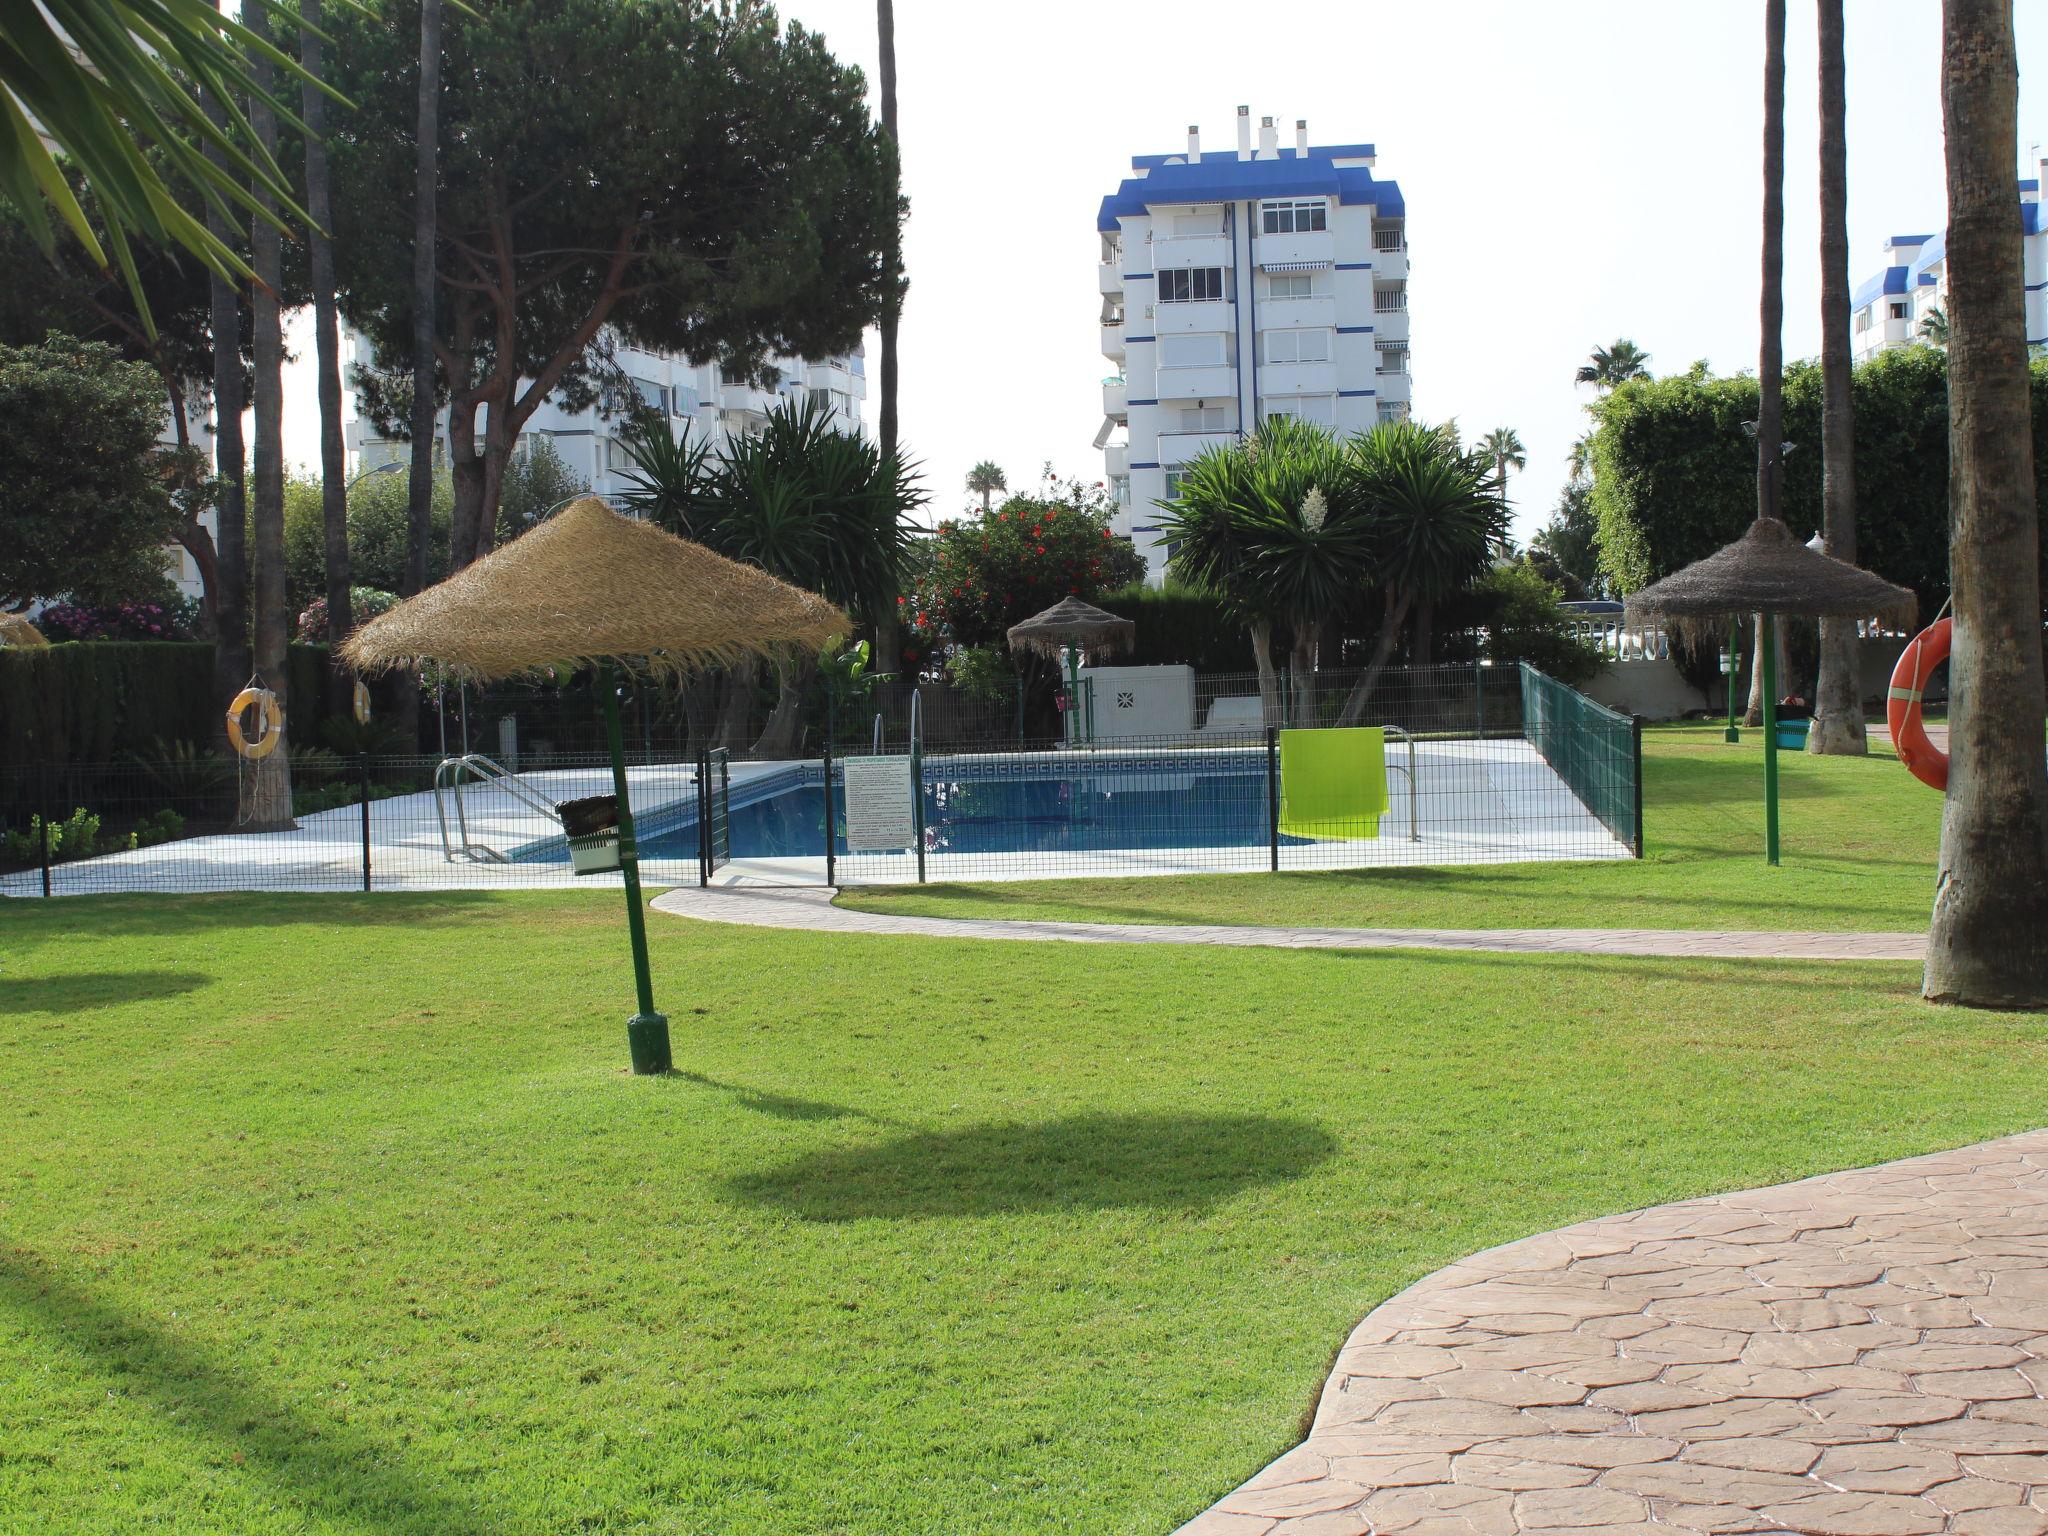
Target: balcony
x: 745, y: 397
x: 1298, y: 378
x: 1305, y: 245
x: 1201, y: 315
x: 1114, y: 394
x: 1117, y: 459
x: 1109, y: 279
x: 1212, y: 381
x: 1191, y: 251
x: 1179, y: 447
x: 1297, y: 314
x: 1391, y: 325
x: 1390, y: 266
x: 1113, y: 340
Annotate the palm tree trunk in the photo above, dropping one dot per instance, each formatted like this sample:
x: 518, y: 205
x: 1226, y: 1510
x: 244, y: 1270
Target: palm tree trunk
x: 1838, y: 692
x: 327, y: 351
x: 1269, y: 678
x: 419, y: 519
x: 1307, y: 641
x: 1988, y: 942
x: 1390, y: 632
x: 779, y: 737
x: 266, y: 781
x: 885, y: 23
x: 740, y: 679
x: 231, y: 603
x: 1770, y: 372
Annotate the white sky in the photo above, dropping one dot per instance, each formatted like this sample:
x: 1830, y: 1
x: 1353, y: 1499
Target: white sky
x: 1574, y: 171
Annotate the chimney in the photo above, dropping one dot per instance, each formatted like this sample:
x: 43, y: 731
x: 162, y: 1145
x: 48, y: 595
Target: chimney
x: 1244, y: 133
x: 1301, y: 136
x: 1194, y: 143
x: 1269, y: 142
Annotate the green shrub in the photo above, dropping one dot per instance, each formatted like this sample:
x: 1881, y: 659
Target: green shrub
x: 158, y: 827
x: 1181, y: 626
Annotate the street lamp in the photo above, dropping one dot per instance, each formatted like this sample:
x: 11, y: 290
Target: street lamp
x: 388, y: 467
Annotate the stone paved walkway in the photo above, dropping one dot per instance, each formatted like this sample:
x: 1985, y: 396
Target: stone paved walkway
x: 811, y: 907
x: 1863, y: 1354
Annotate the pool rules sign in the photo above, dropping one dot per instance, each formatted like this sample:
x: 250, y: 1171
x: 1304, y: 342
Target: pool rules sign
x: 881, y: 804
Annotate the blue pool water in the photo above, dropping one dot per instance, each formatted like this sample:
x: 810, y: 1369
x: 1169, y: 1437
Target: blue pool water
x: 1034, y: 812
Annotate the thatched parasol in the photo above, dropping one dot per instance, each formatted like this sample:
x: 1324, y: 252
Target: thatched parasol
x: 1768, y: 572
x: 1073, y: 624
x: 590, y: 586
x: 1074, y: 627
x: 16, y: 630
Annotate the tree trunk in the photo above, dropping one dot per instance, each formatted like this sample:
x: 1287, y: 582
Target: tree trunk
x: 267, y: 781
x: 780, y: 736
x: 1269, y: 679
x: 231, y: 601
x: 1770, y: 371
x: 419, y: 517
x: 740, y: 682
x: 1988, y: 942
x: 1838, y: 691
x: 885, y: 21
x: 1390, y: 632
x: 1307, y: 639
x: 327, y: 355
x: 1422, y: 637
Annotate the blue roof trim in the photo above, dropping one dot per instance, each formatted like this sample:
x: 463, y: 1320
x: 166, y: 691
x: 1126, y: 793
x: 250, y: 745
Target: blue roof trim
x: 1891, y: 280
x: 1353, y: 394
x: 1227, y: 179
x: 2030, y: 221
x: 1354, y: 330
x: 1128, y: 403
x: 1131, y: 341
x: 1324, y: 151
x: 1897, y: 240
x: 2036, y: 287
x: 1354, y: 266
x: 1153, y: 465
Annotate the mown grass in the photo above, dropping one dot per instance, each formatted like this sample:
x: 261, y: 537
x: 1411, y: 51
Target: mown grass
x: 339, y: 1214
x: 1859, y: 838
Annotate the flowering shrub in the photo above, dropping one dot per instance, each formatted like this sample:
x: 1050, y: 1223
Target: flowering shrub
x: 364, y: 604
x: 175, y: 620
x: 986, y: 572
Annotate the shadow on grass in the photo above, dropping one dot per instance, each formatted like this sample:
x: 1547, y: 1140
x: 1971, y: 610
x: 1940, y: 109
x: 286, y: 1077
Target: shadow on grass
x: 317, y: 1464
x: 154, y: 916
x: 1080, y: 1162
x: 782, y: 1106
x: 85, y: 990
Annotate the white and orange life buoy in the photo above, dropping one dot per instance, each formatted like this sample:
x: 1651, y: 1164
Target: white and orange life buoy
x: 269, y: 715
x: 360, y: 700
x: 1924, y: 652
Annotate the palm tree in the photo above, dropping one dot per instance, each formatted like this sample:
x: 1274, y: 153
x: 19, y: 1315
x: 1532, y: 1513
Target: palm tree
x: 984, y: 480
x: 1934, y: 327
x: 1503, y: 445
x: 1985, y: 944
x: 98, y: 80
x: 230, y: 465
x: 326, y: 347
x: 425, y: 224
x: 1770, y: 371
x: 1615, y: 364
x: 1204, y: 523
x: 1436, y: 520
x: 885, y: 26
x: 1838, y: 690
x: 267, y: 787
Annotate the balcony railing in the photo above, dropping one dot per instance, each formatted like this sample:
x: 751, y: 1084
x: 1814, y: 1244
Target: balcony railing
x: 1389, y: 240
x: 1389, y: 301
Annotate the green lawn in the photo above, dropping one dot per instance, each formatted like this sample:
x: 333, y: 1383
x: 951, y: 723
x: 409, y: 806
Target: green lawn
x: 1859, y: 843
x: 339, y: 1214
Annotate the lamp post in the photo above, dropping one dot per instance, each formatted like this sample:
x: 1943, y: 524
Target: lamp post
x: 389, y: 466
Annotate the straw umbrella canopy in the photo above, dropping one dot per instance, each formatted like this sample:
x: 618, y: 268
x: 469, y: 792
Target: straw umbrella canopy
x: 16, y: 630
x: 590, y: 586
x: 1767, y: 571
x: 1073, y: 624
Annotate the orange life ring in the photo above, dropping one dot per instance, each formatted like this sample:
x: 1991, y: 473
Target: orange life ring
x: 1924, y: 652
x: 361, y: 702
x: 268, y: 713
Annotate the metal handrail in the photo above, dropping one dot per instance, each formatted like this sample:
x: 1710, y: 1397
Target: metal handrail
x: 448, y: 777
x: 1414, y: 830
x: 878, y: 733
x: 916, y: 718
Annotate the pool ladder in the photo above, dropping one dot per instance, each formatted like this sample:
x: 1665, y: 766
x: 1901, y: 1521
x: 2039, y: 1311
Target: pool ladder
x: 456, y: 843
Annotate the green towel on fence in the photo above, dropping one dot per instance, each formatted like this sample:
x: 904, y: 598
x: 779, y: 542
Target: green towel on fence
x: 1333, y: 783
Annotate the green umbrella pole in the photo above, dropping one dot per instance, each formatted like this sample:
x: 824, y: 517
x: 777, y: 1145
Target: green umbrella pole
x: 646, y: 1031
x: 1074, y: 693
x: 1734, y: 672
x: 1768, y: 660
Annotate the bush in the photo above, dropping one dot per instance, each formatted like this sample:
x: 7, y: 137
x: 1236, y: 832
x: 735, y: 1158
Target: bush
x: 176, y: 619
x: 159, y: 827
x: 75, y: 837
x: 1524, y: 622
x: 377, y: 511
x: 364, y: 604
x: 1181, y: 626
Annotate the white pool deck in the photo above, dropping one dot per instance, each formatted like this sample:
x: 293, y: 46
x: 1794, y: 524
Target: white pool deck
x: 1491, y: 802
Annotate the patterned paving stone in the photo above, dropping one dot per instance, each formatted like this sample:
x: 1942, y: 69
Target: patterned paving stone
x: 1864, y: 1354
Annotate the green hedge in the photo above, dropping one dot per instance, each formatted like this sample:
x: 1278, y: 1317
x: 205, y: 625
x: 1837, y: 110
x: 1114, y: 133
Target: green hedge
x: 90, y: 701
x: 1181, y: 626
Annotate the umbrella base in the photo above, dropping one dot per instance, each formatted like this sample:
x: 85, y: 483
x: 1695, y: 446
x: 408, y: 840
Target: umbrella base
x: 647, y: 1039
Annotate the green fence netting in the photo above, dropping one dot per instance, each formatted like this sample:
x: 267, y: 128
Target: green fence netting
x: 1595, y: 750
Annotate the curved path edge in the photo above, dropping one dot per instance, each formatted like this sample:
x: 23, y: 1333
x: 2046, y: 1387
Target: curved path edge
x: 811, y: 907
x: 1859, y: 1354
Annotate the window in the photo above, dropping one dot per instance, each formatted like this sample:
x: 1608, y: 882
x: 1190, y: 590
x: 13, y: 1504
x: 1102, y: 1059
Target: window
x: 652, y: 395
x: 1317, y: 408
x: 1293, y: 218
x: 1863, y: 318
x: 1393, y: 410
x: 1898, y: 309
x: 1176, y: 476
x: 820, y: 400
x: 1201, y: 418
x: 1297, y: 346
x: 1291, y: 285
x: 1190, y: 285
x: 1390, y: 300
x: 1191, y: 351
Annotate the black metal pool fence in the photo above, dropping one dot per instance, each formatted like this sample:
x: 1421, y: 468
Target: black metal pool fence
x: 1482, y: 765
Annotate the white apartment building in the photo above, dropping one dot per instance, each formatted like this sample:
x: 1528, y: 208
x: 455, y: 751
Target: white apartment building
x: 1887, y: 310
x: 1261, y: 281
x: 695, y: 398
